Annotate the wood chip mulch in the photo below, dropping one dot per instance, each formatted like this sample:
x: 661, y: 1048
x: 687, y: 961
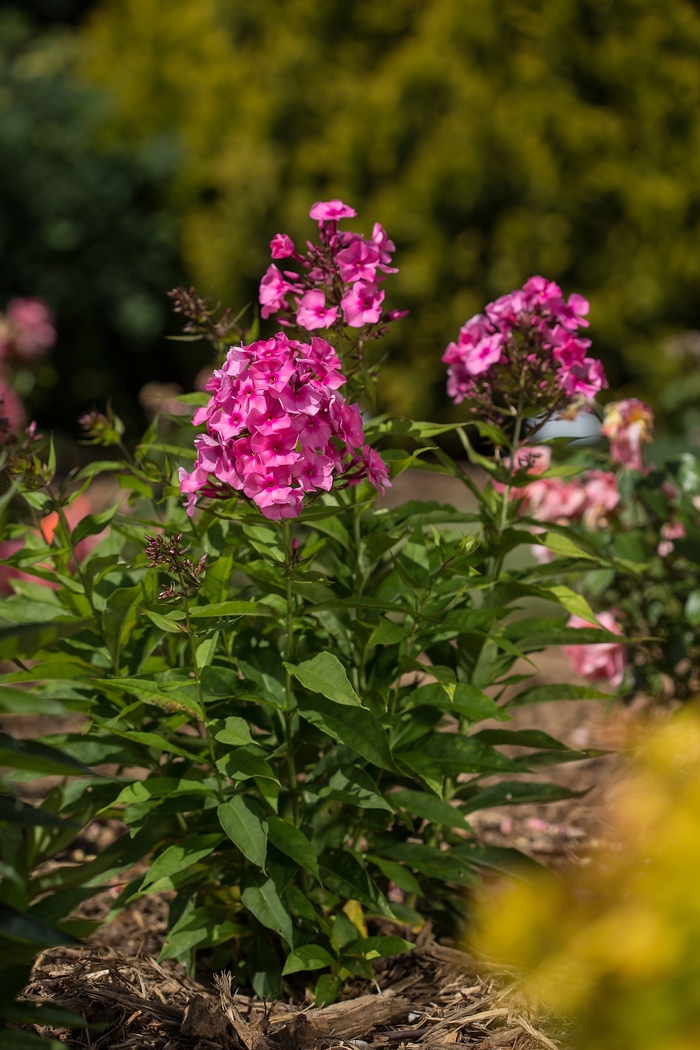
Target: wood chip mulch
x: 433, y: 998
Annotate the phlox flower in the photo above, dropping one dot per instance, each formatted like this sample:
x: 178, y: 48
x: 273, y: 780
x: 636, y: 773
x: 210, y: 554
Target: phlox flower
x: 313, y: 313
x: 278, y: 429
x: 525, y: 343
x: 331, y: 211
x: 281, y: 246
x: 362, y: 304
x: 627, y: 425
x: 359, y: 261
x: 273, y: 289
x: 602, y: 661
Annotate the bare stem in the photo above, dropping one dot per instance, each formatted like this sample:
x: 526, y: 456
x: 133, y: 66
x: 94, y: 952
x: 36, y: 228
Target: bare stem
x: 288, y: 656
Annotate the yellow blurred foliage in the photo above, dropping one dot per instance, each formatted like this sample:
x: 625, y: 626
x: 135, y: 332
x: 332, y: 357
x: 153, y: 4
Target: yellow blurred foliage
x: 494, y: 139
x: 618, y: 947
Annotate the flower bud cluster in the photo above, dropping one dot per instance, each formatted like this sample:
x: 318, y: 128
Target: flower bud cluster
x: 278, y: 429
x: 525, y: 349
x: 339, y: 279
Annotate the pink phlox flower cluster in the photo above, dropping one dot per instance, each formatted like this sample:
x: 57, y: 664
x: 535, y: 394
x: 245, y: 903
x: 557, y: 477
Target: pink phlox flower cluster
x: 627, y: 425
x: 339, y: 278
x: 559, y: 500
x: 670, y: 531
x: 278, y: 429
x: 602, y: 661
x: 548, y: 324
x: 27, y: 329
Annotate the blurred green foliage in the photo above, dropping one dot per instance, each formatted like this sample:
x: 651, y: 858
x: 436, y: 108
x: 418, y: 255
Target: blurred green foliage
x: 84, y: 228
x: 493, y: 138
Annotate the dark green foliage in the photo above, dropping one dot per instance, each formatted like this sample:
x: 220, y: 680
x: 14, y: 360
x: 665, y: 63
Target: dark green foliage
x: 83, y: 226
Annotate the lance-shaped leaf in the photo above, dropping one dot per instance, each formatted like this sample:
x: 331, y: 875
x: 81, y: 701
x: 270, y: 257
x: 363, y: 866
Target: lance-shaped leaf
x: 344, y: 874
x: 444, y: 865
x: 263, y: 901
x: 543, y: 694
x: 514, y: 792
x: 307, y: 957
x: 180, y: 856
x: 38, y: 758
x: 325, y: 674
x: 468, y: 701
x: 25, y: 639
x: 293, y: 842
x: 220, y: 609
x: 14, y: 811
x: 382, y: 947
x: 24, y: 702
x: 167, y: 695
x: 18, y: 926
x: 428, y: 807
x: 398, y: 873
x: 356, y: 787
x: 246, y: 826
x: 452, y: 754
x: 355, y: 726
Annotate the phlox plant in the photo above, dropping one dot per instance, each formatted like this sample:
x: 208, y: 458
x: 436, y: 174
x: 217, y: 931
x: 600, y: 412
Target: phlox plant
x: 286, y: 679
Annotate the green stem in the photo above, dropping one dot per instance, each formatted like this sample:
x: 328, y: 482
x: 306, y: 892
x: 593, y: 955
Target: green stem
x: 288, y: 657
x: 200, y: 694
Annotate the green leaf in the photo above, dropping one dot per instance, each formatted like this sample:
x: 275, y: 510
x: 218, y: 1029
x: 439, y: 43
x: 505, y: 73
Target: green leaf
x: 165, y: 623
x: 517, y: 792
x: 452, y: 754
x: 25, y: 702
x: 235, y: 732
x: 443, y: 865
x: 18, y: 926
x: 26, y: 639
x: 521, y: 738
x: 344, y: 874
x: 379, y: 947
x: 326, y: 675
x: 293, y: 843
x: 468, y: 701
x: 263, y: 901
x: 28, y: 1012
x: 39, y: 758
x: 428, y: 807
x: 180, y: 856
x: 92, y: 524
x: 271, y: 689
x: 242, y: 764
x: 220, y: 609
x: 164, y: 694
x: 444, y: 675
x: 388, y: 633
x: 327, y: 990
x: 153, y: 740
x: 355, y: 726
x: 354, y: 786
x: 497, y: 858
x: 14, y: 811
x: 397, y: 873
x: 308, y: 957
x: 16, y: 1039
x: 565, y: 547
x: 244, y: 823
x: 542, y: 694
x: 573, y: 603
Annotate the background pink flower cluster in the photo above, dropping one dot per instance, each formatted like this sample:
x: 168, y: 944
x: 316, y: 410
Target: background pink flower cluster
x: 27, y: 332
x: 590, y: 497
x: 600, y: 661
x: 339, y: 279
x: 536, y: 326
x: 277, y: 429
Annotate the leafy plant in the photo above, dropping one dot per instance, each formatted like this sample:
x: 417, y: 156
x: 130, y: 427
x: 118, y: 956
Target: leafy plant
x: 297, y: 673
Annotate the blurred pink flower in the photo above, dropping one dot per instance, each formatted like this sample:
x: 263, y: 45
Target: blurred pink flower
x: 671, y: 530
x: 600, y: 487
x: 627, y: 425
x: 600, y: 661
x: 33, y: 324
